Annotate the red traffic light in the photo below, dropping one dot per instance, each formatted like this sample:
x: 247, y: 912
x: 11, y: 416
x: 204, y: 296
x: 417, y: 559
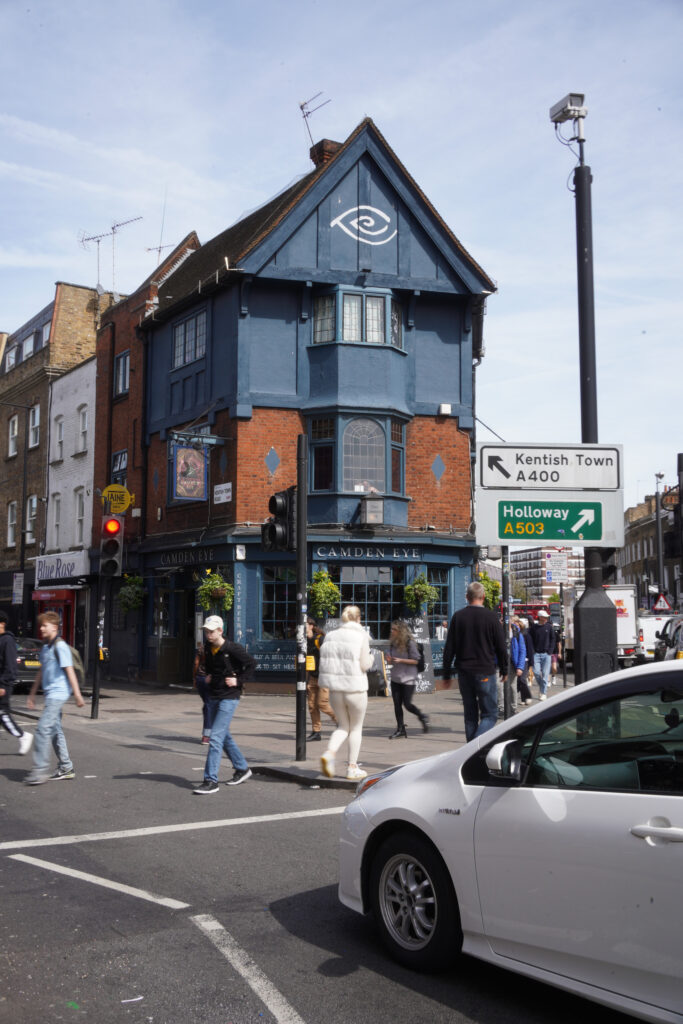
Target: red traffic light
x: 111, y: 527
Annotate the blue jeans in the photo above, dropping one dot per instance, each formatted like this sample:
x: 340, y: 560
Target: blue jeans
x: 542, y: 670
x: 221, y: 717
x: 479, y: 694
x: 203, y: 691
x: 49, y: 729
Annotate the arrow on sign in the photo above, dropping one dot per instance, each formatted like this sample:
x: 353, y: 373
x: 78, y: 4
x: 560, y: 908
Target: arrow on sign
x: 586, y: 518
x: 496, y: 462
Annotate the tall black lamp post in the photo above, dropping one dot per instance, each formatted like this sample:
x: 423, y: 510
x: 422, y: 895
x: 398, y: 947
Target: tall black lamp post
x: 658, y: 534
x: 595, y: 620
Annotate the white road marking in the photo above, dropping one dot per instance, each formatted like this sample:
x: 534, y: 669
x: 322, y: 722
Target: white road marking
x: 140, y: 894
x: 158, y: 830
x: 240, y: 960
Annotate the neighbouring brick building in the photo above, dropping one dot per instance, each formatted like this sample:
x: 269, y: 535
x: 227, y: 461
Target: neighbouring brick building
x: 58, y: 338
x: 637, y: 560
x: 344, y: 309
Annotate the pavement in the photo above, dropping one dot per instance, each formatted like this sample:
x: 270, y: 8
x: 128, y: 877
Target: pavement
x: 264, y: 726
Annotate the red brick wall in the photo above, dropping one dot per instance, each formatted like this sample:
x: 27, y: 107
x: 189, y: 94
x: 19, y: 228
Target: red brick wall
x: 445, y: 503
x: 252, y: 483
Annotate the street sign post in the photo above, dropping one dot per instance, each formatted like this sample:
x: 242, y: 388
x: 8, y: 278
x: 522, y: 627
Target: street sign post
x: 557, y: 566
x: 559, y: 494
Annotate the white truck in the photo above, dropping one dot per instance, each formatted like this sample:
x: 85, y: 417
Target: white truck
x: 623, y: 597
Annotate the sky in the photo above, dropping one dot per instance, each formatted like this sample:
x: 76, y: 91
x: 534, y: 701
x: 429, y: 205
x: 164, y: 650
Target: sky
x: 186, y: 113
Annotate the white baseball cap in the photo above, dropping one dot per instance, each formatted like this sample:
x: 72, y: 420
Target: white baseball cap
x: 213, y: 622
x: 541, y: 613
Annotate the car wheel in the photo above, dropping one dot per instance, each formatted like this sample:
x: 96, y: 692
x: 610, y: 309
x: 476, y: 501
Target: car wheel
x: 414, y: 903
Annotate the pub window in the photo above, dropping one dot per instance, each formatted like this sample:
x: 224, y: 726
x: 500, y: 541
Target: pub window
x: 364, y: 457
x: 278, y: 602
x: 376, y: 589
x: 189, y: 339
x: 438, y: 577
x: 397, y: 456
x: 322, y: 453
x: 119, y: 468
x: 370, y: 318
x: 324, y: 318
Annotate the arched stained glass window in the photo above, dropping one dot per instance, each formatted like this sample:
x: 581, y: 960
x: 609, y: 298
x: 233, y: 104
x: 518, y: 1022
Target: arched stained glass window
x: 364, y: 457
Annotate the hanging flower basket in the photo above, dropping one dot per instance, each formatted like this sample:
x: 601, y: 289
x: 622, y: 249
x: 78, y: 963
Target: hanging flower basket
x: 131, y: 595
x: 419, y: 593
x: 214, y: 590
x: 323, y: 595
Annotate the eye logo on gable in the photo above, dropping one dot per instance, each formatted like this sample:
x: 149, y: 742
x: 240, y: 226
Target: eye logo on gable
x: 366, y: 224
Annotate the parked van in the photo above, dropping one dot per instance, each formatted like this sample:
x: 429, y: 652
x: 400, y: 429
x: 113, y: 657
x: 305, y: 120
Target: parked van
x: 649, y: 628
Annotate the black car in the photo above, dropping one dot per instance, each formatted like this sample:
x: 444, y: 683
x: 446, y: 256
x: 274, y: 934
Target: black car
x: 27, y: 663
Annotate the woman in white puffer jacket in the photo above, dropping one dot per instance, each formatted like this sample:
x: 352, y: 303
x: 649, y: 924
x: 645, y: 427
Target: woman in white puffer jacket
x: 344, y: 661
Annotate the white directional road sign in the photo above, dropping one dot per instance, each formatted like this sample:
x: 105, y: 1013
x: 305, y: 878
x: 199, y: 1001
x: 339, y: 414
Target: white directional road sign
x: 546, y: 467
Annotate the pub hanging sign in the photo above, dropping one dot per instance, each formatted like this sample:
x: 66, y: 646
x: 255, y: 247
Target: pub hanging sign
x: 190, y: 473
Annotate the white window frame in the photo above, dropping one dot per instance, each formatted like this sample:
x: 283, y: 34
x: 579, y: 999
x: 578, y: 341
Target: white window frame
x: 31, y: 518
x: 28, y: 346
x: 46, y: 332
x: 79, y: 514
x: 122, y: 373
x: 56, y: 516
x: 11, y: 524
x: 11, y: 358
x: 82, y: 437
x: 12, y: 435
x: 34, y: 427
x: 59, y: 438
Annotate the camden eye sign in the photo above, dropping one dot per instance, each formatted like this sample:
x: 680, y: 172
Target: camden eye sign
x: 536, y: 494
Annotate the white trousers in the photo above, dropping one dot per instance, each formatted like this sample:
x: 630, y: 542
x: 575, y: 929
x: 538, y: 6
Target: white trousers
x: 349, y: 710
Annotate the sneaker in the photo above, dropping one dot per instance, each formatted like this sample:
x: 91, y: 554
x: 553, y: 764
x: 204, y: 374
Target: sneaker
x: 62, y: 773
x: 327, y: 765
x: 206, y: 787
x: 25, y: 742
x: 355, y: 774
x: 240, y: 776
x: 315, y: 736
x: 542, y: 696
x: 36, y: 779
x: 529, y: 701
x: 206, y: 739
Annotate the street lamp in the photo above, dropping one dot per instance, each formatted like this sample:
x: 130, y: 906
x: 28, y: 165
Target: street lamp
x: 595, y: 622
x: 658, y: 526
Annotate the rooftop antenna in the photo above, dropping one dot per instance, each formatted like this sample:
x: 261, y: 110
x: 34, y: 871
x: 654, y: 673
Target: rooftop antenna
x: 306, y: 113
x: 94, y: 238
x: 158, y: 248
x: 98, y: 238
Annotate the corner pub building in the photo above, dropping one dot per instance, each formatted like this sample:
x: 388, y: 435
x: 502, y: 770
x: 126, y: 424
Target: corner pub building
x: 344, y: 309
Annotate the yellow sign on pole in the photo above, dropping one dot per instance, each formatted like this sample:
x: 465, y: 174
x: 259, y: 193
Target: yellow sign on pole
x: 118, y: 498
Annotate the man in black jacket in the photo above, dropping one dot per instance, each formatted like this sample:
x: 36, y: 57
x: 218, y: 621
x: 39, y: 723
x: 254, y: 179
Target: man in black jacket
x: 228, y: 666
x: 544, y: 639
x: 8, y: 677
x: 477, y: 642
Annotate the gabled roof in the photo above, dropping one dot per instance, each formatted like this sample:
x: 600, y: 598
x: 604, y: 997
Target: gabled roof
x: 214, y: 261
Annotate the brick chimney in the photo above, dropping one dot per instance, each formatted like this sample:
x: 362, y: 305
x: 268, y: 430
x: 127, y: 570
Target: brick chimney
x: 323, y: 151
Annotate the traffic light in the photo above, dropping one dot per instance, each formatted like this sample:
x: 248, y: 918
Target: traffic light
x: 609, y: 565
x: 111, y: 545
x: 279, y: 533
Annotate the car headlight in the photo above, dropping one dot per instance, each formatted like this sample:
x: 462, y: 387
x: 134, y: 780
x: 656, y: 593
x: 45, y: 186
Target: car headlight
x: 372, y: 780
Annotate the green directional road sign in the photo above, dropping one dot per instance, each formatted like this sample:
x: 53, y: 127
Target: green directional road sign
x: 569, y: 521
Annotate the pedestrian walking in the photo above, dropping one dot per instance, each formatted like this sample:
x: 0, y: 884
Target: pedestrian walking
x: 344, y: 661
x: 318, y: 696
x: 442, y: 630
x: 228, y: 666
x: 544, y: 640
x: 403, y: 657
x: 202, y: 688
x: 8, y: 677
x: 59, y: 680
x: 520, y: 661
x: 476, y: 641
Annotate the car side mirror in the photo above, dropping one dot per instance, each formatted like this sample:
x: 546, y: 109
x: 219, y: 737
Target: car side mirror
x: 504, y: 760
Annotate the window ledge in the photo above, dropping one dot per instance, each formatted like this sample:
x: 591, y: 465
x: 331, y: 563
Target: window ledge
x: 56, y: 462
x: 9, y: 458
x: 80, y: 454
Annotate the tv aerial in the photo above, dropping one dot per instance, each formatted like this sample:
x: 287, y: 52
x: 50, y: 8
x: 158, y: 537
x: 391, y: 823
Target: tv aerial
x: 306, y: 112
x: 86, y: 239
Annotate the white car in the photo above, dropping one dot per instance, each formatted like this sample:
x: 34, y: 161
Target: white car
x: 552, y: 845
